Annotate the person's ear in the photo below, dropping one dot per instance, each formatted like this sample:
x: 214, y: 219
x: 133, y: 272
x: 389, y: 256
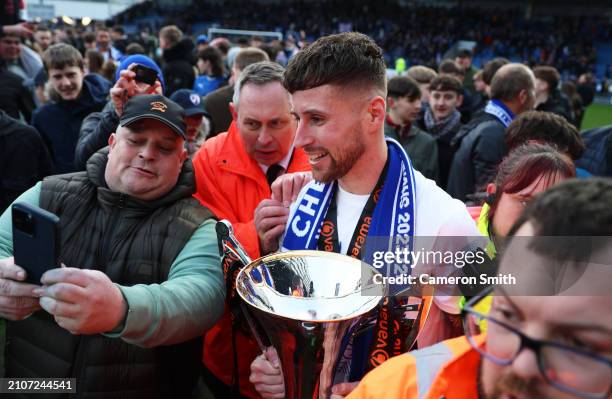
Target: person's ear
x: 234, y: 111
x: 112, y: 140
x: 184, y: 155
x: 459, y: 100
x: 491, y: 193
x: 377, y: 110
x: 523, y: 97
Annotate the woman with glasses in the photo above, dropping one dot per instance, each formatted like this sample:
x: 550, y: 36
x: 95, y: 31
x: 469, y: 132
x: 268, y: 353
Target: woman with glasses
x: 538, y: 344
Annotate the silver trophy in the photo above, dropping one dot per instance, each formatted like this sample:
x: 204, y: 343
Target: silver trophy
x: 307, y: 305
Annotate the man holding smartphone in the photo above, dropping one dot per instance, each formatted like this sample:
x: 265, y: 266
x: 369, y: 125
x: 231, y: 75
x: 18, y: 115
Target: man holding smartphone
x: 143, y: 280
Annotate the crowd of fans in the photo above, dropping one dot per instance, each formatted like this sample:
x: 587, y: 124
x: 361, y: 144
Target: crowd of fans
x: 131, y: 135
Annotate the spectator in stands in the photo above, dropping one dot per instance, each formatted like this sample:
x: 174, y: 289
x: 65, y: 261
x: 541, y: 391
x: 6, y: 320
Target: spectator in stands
x: 423, y: 76
x: 212, y: 72
x: 16, y: 100
x: 24, y: 159
x: 59, y: 121
x: 42, y: 39
x: 119, y: 39
x: 217, y: 101
x: 464, y: 60
x: 482, y: 143
x: 98, y: 126
x: 453, y: 69
x: 143, y: 280
x: 178, y: 64
x: 93, y: 61
x: 404, y: 109
x: 104, y: 45
x: 195, y: 127
x: 234, y: 171
x: 89, y: 41
x: 586, y: 88
x: 443, y: 120
x: 548, y: 96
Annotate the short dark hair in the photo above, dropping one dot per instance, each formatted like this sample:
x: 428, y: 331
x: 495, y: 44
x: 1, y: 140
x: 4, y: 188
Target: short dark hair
x: 464, y: 53
x: 545, y: 127
x: 61, y: 55
x: 549, y: 75
x: 450, y: 67
x: 89, y: 37
x: 403, y: 86
x: 421, y: 74
x: 446, y: 83
x: 346, y: 59
x: 491, y: 67
x: 134, y: 48
x: 510, y: 80
x: 119, y: 29
x: 95, y: 60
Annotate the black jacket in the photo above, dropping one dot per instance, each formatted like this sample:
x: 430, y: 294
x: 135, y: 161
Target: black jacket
x: 481, y: 149
x: 16, y: 98
x: 24, y: 159
x: 217, y: 104
x: 59, y: 122
x: 178, y: 66
x: 95, y: 131
x: 559, y: 104
x: 421, y: 148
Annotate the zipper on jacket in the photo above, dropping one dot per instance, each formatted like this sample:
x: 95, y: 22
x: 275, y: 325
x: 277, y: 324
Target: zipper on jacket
x: 110, y: 231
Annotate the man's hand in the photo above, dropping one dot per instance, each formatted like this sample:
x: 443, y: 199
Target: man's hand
x: 23, y: 29
x: 342, y: 390
x: 270, y: 219
x: 17, y: 300
x: 127, y: 87
x: 267, y: 376
x: 286, y: 187
x: 82, y: 301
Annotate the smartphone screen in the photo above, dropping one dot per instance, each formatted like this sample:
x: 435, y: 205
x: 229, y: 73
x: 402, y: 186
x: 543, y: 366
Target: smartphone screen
x: 35, y: 240
x: 145, y: 74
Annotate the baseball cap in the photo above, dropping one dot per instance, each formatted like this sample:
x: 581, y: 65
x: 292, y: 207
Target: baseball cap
x: 202, y: 39
x: 190, y: 101
x: 154, y: 106
x: 140, y: 60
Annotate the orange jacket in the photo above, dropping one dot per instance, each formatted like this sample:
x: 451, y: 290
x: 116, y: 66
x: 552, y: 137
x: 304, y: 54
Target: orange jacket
x: 231, y: 185
x: 445, y: 370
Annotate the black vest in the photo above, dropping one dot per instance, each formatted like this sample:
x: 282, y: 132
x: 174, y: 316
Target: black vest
x: 133, y: 242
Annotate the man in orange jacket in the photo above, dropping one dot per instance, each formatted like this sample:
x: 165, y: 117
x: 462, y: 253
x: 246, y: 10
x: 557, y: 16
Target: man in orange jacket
x: 234, y: 171
x: 549, y: 333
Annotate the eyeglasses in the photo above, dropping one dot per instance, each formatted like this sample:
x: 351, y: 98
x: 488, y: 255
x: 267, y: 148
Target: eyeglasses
x: 569, y: 369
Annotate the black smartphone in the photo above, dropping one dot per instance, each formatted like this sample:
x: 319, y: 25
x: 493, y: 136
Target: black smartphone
x: 145, y: 74
x: 36, y: 244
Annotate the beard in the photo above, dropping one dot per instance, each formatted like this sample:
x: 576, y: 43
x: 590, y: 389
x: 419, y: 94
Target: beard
x: 512, y: 384
x: 341, y: 162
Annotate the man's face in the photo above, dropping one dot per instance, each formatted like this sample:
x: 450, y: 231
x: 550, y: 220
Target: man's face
x: 510, y: 206
x: 571, y: 318
x: 103, y: 39
x: 444, y: 103
x: 330, y: 130
x: 263, y: 117
x: 405, y: 109
x: 43, y: 38
x: 68, y: 81
x: 10, y: 48
x: 144, y: 160
x: 192, y: 126
x: 464, y: 62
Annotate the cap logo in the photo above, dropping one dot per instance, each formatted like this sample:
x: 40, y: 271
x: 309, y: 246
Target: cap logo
x: 158, y: 106
x: 195, y: 99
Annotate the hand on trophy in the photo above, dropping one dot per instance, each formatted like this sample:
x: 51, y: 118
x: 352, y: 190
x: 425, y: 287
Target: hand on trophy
x: 267, y: 376
x: 286, y: 188
x: 270, y: 220
x: 342, y: 390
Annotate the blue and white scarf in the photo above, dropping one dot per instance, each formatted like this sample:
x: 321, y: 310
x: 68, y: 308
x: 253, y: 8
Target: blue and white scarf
x: 500, y: 111
x: 393, y: 217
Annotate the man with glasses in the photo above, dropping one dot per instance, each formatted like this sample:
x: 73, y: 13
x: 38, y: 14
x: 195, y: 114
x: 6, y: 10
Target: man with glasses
x: 547, y: 336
